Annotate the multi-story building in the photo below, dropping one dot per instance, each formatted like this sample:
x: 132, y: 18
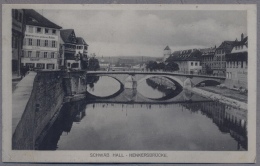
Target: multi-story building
x: 189, y: 61
x: 207, y: 59
x: 236, y: 62
x: 41, y: 42
x: 18, y: 28
x: 219, y: 61
x: 82, y: 52
x: 69, y: 42
x: 166, y: 53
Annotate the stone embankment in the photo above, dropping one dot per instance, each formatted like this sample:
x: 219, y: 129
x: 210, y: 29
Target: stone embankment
x: 37, y: 100
x: 220, y: 98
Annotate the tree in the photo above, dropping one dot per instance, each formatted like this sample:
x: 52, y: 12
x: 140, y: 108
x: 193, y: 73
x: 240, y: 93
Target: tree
x: 208, y: 69
x: 171, y: 66
x: 152, y: 66
x: 93, y: 64
x: 161, y: 66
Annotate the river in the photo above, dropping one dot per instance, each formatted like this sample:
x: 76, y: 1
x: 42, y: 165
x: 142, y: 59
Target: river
x: 187, y: 125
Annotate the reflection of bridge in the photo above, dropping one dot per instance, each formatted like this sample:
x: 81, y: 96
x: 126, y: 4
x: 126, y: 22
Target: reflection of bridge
x: 184, y: 80
x: 130, y: 96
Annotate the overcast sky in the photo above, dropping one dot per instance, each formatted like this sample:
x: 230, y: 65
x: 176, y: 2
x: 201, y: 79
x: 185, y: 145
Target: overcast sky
x: 147, y: 33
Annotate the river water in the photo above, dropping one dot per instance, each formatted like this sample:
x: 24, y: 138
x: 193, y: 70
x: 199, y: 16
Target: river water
x: 183, y: 125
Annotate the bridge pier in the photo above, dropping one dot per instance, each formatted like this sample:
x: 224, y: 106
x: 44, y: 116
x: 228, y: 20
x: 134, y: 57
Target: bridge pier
x: 130, y: 82
x: 187, y: 84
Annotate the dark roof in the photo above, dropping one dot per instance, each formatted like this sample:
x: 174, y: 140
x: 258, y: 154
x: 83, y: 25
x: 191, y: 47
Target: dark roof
x: 227, y: 46
x: 34, y: 18
x: 186, y: 55
x: 80, y: 40
x: 66, y: 35
x: 167, y: 48
x: 208, y: 51
x: 237, y: 56
x: 243, y: 42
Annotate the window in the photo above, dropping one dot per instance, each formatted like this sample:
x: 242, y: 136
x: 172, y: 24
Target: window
x: 40, y: 65
x: 242, y: 64
x: 38, y: 42
x: 50, y: 66
x: 53, y: 31
x: 191, y: 63
x: 37, y: 54
x: 53, y: 43
x: 195, y: 63
x: 39, y: 30
x: 46, y: 43
x: 29, y: 54
x: 52, y: 55
x: 46, y: 30
x: 45, y: 54
x: 30, y: 29
x: 30, y: 42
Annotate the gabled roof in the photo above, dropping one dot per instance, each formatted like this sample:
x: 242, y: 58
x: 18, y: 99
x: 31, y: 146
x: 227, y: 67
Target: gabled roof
x: 167, y: 48
x: 208, y: 51
x: 34, y: 18
x: 227, y: 46
x: 66, y: 35
x: 81, y: 41
x: 243, y: 42
x: 186, y: 55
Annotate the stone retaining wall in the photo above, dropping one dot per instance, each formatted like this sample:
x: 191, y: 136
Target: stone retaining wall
x: 45, y: 100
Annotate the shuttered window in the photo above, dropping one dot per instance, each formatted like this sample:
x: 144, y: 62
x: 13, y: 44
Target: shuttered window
x: 46, y: 43
x: 38, y: 42
x: 30, y: 42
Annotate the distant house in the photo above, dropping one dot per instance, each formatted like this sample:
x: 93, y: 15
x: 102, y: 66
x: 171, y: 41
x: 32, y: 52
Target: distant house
x: 207, y: 55
x: 219, y: 61
x: 236, y: 64
x: 41, y: 42
x: 69, y: 42
x: 82, y: 51
x: 189, y: 61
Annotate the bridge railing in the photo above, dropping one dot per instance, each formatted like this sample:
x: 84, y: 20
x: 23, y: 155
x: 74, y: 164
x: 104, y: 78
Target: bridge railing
x: 156, y: 72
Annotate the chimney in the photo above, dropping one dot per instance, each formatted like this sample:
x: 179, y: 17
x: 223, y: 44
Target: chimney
x: 242, y: 36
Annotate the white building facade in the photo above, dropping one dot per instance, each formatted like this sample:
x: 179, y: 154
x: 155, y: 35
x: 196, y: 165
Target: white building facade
x: 41, y: 42
x: 236, y: 65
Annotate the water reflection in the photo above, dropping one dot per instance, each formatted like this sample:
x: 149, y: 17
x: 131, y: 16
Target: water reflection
x: 104, y: 86
x: 183, y: 126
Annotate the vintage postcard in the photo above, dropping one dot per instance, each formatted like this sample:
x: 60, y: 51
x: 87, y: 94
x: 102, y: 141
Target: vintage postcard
x: 129, y: 83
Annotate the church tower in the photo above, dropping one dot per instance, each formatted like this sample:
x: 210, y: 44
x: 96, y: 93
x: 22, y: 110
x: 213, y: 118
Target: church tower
x: 166, y: 53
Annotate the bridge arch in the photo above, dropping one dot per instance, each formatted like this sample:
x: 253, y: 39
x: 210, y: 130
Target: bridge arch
x: 171, y: 78
x: 121, y: 89
x: 207, y: 82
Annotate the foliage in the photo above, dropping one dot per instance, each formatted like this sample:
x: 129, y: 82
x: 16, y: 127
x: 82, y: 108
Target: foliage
x: 171, y: 66
x: 152, y: 66
x: 93, y: 64
x: 209, y: 70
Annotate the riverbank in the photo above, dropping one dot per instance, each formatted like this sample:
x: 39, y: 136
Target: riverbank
x: 236, y: 95
x: 223, y: 96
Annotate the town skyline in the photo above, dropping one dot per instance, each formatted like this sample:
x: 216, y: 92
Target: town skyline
x: 147, y: 33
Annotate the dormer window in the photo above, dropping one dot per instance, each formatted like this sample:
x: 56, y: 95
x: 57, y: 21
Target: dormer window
x: 46, y: 31
x: 39, y: 30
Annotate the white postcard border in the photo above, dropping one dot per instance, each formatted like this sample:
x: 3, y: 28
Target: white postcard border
x: 84, y: 156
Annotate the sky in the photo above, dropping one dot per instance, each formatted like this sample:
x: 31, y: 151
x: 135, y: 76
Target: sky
x: 148, y: 32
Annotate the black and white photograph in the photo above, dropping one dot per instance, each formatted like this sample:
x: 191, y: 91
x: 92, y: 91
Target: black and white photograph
x: 129, y: 83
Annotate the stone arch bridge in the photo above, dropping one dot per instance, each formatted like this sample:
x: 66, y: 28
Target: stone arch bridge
x: 183, y: 80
